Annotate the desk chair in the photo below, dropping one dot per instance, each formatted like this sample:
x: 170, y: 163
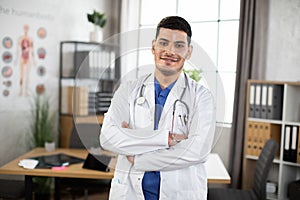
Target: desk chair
x: 12, y: 189
x: 261, y: 171
x: 85, y: 135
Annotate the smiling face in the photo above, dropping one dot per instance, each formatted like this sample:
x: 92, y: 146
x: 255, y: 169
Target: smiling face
x: 170, y: 50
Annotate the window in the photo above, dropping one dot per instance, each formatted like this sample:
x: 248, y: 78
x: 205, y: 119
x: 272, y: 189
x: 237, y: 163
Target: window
x: 215, y: 26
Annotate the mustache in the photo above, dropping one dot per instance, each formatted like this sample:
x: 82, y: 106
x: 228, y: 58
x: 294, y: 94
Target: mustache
x: 170, y: 57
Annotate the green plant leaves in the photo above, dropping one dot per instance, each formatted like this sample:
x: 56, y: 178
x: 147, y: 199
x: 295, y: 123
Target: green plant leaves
x: 43, y: 122
x: 97, y: 18
x: 194, y: 74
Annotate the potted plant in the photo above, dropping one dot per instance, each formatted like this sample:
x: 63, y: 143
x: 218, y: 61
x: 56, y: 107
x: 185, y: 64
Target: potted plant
x: 194, y: 74
x: 99, y: 21
x: 43, y: 122
x: 43, y: 128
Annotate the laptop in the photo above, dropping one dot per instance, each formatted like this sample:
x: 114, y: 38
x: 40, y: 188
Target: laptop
x: 97, y: 162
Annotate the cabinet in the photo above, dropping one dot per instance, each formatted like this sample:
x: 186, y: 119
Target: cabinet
x: 89, y: 73
x: 262, y: 123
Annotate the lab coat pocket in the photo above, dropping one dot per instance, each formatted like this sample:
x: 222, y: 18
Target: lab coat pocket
x: 142, y: 116
x: 180, y: 120
x: 118, y: 190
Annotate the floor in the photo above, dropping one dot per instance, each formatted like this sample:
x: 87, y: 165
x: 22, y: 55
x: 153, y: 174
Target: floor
x: 103, y: 195
x: 80, y: 195
x: 95, y: 196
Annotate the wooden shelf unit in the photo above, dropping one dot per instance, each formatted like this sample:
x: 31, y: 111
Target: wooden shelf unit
x: 86, y: 69
x: 282, y: 172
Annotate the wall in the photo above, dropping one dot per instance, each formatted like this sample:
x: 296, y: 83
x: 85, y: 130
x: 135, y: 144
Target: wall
x: 283, y: 61
x: 62, y: 20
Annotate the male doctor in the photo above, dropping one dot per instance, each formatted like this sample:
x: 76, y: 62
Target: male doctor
x: 161, y: 125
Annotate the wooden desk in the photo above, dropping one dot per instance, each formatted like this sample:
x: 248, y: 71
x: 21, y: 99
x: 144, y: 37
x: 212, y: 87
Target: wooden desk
x: 72, y: 171
x: 216, y: 170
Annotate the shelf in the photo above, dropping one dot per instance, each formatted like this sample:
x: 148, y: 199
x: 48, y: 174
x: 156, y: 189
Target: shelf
x: 90, y: 119
x: 265, y: 120
x: 291, y: 164
x: 276, y: 160
x: 87, y: 70
x: 287, y: 98
x: 292, y: 123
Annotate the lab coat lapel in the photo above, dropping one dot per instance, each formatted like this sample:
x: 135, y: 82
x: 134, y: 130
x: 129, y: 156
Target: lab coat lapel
x: 174, y: 94
x: 149, y: 94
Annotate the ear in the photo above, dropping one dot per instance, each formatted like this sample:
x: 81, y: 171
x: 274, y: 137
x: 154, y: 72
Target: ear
x: 190, y: 51
x: 153, y: 46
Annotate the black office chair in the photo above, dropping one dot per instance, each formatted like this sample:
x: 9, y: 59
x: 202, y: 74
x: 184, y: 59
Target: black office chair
x: 258, y: 191
x: 12, y: 189
x: 85, y: 135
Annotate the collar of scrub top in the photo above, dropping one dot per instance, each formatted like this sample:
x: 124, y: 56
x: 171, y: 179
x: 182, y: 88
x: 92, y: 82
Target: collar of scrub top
x: 175, y: 93
x: 162, y: 92
x: 160, y: 99
x: 148, y: 91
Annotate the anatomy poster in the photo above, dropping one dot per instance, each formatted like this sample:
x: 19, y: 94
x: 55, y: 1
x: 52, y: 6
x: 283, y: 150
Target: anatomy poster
x: 20, y: 56
x: 27, y: 59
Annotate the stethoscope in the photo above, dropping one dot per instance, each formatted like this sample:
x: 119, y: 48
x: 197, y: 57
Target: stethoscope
x: 183, y: 118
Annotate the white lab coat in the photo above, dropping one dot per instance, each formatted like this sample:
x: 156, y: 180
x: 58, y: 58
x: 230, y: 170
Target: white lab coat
x: 183, y: 175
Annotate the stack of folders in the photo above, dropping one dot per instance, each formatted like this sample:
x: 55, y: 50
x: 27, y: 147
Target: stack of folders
x: 265, y: 101
x: 257, y: 135
x: 74, y: 100
x: 291, y: 151
x: 99, y: 102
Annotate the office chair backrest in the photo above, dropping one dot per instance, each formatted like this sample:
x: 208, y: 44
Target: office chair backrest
x: 262, y: 168
x: 85, y: 135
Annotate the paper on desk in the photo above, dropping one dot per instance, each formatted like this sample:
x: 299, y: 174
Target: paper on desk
x: 28, y: 163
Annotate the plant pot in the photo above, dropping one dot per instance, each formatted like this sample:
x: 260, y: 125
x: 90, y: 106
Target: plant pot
x: 49, y: 146
x: 96, y: 36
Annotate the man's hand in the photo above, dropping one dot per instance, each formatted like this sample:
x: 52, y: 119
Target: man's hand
x: 125, y: 125
x: 130, y: 159
x: 175, y: 138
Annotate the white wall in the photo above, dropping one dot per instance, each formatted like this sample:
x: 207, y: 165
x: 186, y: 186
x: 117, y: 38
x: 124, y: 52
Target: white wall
x: 283, y: 60
x: 63, y: 20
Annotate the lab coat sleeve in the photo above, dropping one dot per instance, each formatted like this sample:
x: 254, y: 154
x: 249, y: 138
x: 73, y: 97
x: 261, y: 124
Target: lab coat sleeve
x: 191, y: 151
x: 128, y: 141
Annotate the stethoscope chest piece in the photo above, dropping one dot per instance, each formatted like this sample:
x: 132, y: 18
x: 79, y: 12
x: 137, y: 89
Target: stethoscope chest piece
x: 140, y: 100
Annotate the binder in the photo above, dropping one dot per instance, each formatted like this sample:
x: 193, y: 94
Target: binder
x: 294, y: 141
x: 260, y: 138
x: 255, y: 138
x: 298, y: 144
x: 275, y: 99
x: 257, y: 106
x: 252, y: 100
x: 82, y: 64
x: 264, y: 98
x: 249, y: 143
x: 287, y: 141
x: 272, y: 131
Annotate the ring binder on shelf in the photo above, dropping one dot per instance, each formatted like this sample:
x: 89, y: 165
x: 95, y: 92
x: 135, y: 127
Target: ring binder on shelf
x: 264, y: 99
x: 287, y: 141
x: 252, y: 101
x: 294, y: 140
x: 257, y: 111
x: 275, y: 100
x: 298, y: 146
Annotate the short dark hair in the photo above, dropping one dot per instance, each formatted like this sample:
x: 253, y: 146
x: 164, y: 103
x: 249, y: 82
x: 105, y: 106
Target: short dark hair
x: 175, y: 23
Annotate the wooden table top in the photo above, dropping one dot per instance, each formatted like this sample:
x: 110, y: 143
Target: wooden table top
x: 216, y: 171
x: 72, y: 171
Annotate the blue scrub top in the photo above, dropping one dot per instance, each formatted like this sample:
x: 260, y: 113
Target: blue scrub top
x: 151, y: 180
